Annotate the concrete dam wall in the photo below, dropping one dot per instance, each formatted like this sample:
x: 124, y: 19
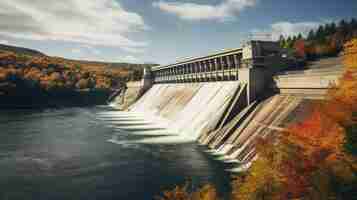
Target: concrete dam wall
x: 236, y: 140
x: 191, y: 109
x: 199, y: 111
x: 228, y: 100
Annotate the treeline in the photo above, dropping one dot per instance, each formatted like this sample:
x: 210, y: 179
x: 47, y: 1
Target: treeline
x: 30, y: 80
x: 29, y: 77
x: 126, y: 71
x: 326, y: 40
x: 315, y: 158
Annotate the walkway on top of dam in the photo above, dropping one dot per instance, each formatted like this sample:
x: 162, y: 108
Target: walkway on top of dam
x: 221, y: 66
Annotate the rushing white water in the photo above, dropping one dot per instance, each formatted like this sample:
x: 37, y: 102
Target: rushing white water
x: 186, y: 112
x: 188, y: 109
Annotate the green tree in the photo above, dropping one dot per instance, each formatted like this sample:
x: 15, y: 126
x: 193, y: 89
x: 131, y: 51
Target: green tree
x: 343, y: 27
x: 282, y: 41
x: 299, y: 37
x: 294, y: 39
x: 288, y: 43
x: 351, y: 139
x: 320, y: 34
x: 353, y: 24
x: 311, y: 35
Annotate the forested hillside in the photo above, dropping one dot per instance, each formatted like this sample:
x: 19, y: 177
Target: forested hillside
x: 20, y: 50
x: 28, y: 77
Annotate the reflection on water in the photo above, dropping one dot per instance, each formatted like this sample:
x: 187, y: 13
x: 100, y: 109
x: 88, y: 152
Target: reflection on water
x: 95, y: 154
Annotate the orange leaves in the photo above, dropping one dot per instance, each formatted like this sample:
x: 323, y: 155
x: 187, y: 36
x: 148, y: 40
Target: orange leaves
x: 323, y: 129
x: 350, y: 55
x: 82, y: 84
x: 207, y: 192
x: 4, y: 74
x: 304, y: 160
x: 33, y: 74
x: 179, y: 193
x: 319, y: 136
x: 7, y: 58
x: 51, y: 73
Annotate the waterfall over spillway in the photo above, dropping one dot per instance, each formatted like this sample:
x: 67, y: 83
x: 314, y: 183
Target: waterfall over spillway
x: 217, y: 115
x: 226, y: 101
x: 190, y: 109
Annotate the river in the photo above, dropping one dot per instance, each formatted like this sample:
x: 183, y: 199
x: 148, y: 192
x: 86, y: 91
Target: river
x: 85, y: 153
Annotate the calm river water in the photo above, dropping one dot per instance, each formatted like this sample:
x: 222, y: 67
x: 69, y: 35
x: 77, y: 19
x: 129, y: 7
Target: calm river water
x: 72, y: 153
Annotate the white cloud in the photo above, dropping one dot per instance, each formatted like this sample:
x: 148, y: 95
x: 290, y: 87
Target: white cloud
x: 134, y: 50
x: 291, y: 29
x: 4, y: 42
x: 288, y: 29
x: 76, y: 51
x: 129, y: 59
x: 92, y: 49
x: 95, y: 22
x: 227, y: 10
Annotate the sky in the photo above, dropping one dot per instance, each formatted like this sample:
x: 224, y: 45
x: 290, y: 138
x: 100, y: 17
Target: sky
x: 157, y: 31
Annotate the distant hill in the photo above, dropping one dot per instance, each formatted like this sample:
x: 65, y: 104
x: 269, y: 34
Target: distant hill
x: 29, y: 78
x: 132, y: 71
x: 21, y: 50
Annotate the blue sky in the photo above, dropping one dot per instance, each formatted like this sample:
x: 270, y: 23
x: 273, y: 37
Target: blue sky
x: 159, y: 31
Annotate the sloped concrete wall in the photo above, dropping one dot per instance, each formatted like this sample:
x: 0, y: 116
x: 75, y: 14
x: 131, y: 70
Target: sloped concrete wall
x: 190, y: 108
x: 266, y: 119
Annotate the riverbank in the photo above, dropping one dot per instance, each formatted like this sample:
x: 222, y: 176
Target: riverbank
x: 41, y: 99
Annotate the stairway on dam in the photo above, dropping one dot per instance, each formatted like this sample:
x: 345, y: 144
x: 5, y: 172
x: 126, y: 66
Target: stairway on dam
x: 226, y: 103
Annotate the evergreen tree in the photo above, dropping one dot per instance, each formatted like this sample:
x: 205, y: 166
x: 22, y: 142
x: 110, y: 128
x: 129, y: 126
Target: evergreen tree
x: 327, y: 30
x: 343, y: 30
x: 343, y: 26
x: 333, y: 28
x: 282, y: 41
x: 330, y: 29
x: 311, y: 35
x: 294, y: 39
x: 320, y: 34
x: 289, y: 42
x: 299, y: 37
x: 351, y: 139
x: 353, y: 24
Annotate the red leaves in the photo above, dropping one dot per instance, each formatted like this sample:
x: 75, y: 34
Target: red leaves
x: 299, y: 47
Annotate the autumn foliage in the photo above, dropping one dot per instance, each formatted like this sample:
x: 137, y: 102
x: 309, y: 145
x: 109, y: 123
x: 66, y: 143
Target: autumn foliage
x: 311, y: 160
x: 327, y: 40
x: 50, y: 74
x: 316, y: 158
x: 207, y: 192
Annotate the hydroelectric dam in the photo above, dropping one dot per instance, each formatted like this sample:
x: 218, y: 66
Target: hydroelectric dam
x: 228, y: 99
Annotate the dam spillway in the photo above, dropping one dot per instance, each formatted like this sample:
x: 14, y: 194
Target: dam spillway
x: 227, y: 100
x: 190, y: 108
